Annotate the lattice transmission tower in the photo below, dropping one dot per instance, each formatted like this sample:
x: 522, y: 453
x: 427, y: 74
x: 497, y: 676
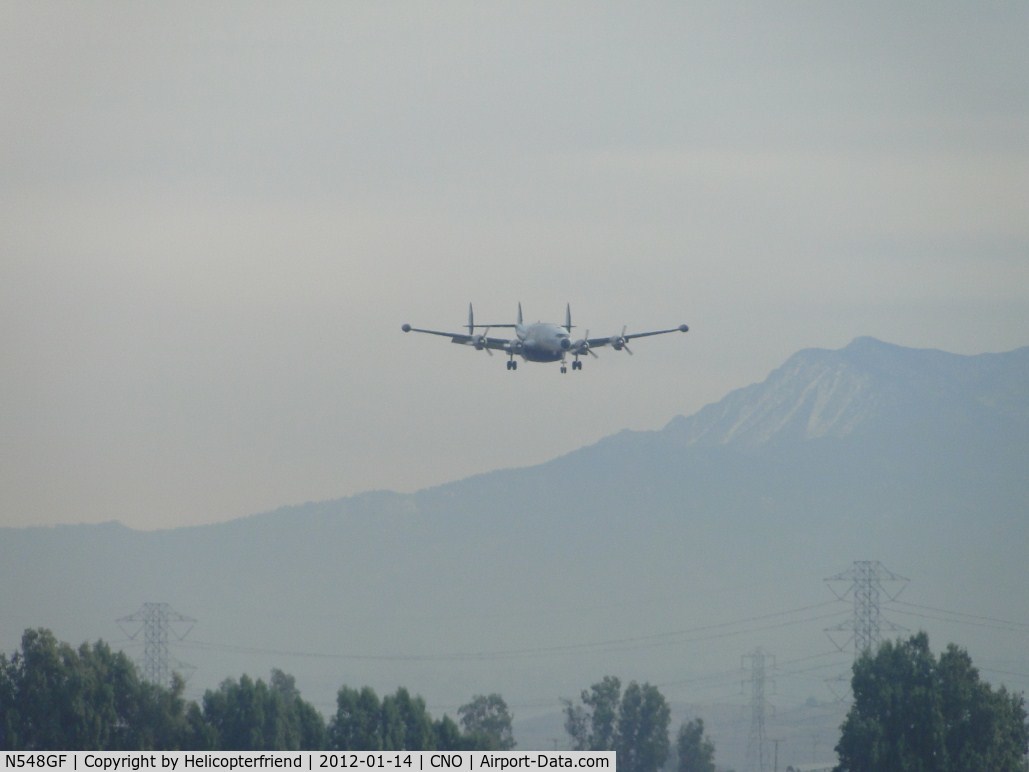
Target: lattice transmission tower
x: 867, y: 579
x: 155, y: 621
x: 757, y: 752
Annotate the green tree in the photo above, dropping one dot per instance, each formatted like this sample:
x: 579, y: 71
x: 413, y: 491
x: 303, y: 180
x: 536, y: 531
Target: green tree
x: 635, y: 724
x: 406, y: 723
x: 448, y: 736
x: 487, y: 722
x: 165, y: 721
x: 364, y: 723
x: 55, y: 697
x: 49, y: 706
x: 694, y: 751
x: 248, y: 715
x: 914, y: 712
x: 643, y: 719
x: 593, y: 725
x: 235, y: 712
x: 303, y: 724
x: 9, y: 718
x: 355, y: 725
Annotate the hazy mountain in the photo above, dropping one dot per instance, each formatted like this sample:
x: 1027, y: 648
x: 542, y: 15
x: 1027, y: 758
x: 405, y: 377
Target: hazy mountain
x: 662, y: 556
x: 869, y: 387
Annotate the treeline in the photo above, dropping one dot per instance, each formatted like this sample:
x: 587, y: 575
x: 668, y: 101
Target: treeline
x: 56, y: 697
x: 634, y: 723
x: 911, y: 711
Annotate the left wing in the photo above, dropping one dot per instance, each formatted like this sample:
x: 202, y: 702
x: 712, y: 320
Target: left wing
x: 619, y: 342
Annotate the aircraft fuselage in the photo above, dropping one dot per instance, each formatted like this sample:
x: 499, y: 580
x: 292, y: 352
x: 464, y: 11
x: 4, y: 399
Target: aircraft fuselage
x: 542, y: 342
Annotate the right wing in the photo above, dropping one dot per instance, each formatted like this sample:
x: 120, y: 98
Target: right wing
x: 479, y: 342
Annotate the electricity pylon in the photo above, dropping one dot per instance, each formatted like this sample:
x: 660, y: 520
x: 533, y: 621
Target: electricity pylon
x: 757, y: 757
x: 156, y: 622
x: 866, y: 579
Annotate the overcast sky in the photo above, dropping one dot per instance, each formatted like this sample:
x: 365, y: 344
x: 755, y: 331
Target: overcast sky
x: 214, y: 218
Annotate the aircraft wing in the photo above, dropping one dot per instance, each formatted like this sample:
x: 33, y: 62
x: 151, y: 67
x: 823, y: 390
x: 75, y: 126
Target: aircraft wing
x: 477, y: 341
x: 619, y: 341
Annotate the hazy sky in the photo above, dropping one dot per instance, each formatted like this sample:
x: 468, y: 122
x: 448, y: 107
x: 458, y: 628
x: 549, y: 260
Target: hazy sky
x: 214, y: 218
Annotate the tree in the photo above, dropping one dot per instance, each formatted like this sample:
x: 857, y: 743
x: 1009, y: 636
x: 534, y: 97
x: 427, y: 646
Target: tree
x: 635, y: 724
x: 236, y: 714
x: 51, y: 706
x: 355, y: 725
x: 9, y: 718
x: 914, y: 712
x: 487, y: 723
x: 364, y: 723
x: 643, y: 719
x: 448, y: 735
x: 248, y: 715
x: 54, y: 697
x: 303, y: 721
x: 694, y: 751
x: 165, y: 721
x: 593, y: 725
x: 407, y: 725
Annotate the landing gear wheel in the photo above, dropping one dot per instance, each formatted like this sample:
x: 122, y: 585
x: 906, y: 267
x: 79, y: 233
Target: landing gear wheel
x: 564, y: 369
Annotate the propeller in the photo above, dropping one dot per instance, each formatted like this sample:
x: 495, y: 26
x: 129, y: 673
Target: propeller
x: 481, y: 342
x: 583, y: 346
x: 621, y: 342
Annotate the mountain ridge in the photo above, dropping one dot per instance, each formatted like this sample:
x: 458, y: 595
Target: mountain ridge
x: 816, y: 393
x: 834, y: 393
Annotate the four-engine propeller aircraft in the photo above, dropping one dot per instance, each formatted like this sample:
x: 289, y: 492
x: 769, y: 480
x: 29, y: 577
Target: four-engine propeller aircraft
x: 541, y: 341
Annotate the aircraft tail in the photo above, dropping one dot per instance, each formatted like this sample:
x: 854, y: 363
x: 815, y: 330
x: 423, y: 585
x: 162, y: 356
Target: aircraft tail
x: 472, y: 326
x: 568, y: 317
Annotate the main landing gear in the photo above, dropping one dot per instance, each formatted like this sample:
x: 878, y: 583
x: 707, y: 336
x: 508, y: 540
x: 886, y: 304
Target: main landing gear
x: 512, y: 364
x: 576, y: 365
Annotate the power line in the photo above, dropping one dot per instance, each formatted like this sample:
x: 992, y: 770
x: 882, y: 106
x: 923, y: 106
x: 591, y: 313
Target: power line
x: 969, y: 619
x: 701, y: 633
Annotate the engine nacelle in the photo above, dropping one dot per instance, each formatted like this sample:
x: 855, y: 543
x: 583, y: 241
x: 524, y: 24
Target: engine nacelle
x: 580, y: 347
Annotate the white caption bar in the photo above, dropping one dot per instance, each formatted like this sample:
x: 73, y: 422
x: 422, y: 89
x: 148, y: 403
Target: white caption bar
x: 312, y: 761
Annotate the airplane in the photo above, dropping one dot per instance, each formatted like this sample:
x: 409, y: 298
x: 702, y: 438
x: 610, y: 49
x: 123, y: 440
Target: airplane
x: 541, y: 341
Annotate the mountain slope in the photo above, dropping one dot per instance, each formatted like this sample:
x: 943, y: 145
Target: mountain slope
x: 867, y: 386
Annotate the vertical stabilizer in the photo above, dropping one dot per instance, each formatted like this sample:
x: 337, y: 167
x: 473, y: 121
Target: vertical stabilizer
x: 568, y: 317
x: 471, y: 320
x: 519, y: 312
